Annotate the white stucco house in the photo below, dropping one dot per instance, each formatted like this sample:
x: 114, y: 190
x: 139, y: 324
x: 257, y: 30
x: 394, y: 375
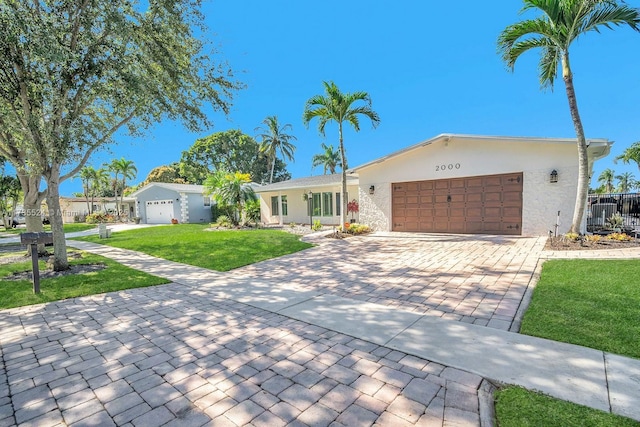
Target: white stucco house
x: 159, y: 203
x: 451, y: 183
x: 304, y: 200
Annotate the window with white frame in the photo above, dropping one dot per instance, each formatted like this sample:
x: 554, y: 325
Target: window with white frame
x: 207, y: 201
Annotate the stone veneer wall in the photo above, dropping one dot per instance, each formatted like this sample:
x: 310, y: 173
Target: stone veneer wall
x: 184, y: 208
x: 375, y: 209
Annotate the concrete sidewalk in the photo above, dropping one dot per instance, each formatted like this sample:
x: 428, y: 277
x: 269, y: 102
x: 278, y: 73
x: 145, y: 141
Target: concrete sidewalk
x: 577, y: 374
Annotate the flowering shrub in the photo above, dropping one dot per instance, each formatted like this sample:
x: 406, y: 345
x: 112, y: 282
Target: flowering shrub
x: 621, y: 237
x: 99, y: 217
x: 356, y: 229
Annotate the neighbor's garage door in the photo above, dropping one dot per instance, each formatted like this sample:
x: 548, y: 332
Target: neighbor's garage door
x: 489, y: 204
x: 159, y: 211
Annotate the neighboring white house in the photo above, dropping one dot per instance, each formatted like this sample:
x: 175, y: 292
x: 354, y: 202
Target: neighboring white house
x: 455, y: 184
x: 305, y: 200
x: 159, y: 203
x: 75, y: 209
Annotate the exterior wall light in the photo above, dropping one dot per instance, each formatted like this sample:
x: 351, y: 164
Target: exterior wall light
x: 553, y: 177
x: 372, y: 189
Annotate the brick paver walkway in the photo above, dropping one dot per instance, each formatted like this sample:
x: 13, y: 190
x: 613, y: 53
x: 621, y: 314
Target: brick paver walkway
x: 172, y: 355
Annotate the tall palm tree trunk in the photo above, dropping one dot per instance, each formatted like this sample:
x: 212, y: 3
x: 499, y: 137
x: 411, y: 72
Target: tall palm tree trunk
x: 273, y: 165
x: 343, y: 198
x: 583, y: 161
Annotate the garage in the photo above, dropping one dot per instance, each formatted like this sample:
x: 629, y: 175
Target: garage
x: 490, y: 204
x: 159, y: 211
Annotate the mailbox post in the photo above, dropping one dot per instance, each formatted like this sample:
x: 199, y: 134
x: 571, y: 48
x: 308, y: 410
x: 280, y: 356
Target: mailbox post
x: 35, y: 239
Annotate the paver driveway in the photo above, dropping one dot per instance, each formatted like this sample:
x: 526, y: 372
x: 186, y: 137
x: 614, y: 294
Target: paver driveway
x: 178, y: 354
x: 475, y: 279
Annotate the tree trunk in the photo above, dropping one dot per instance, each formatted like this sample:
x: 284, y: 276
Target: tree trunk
x: 273, y: 165
x: 32, y: 204
x: 583, y: 161
x: 343, y: 198
x: 60, y: 262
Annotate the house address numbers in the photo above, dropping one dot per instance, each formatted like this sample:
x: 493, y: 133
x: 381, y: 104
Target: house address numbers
x: 445, y: 167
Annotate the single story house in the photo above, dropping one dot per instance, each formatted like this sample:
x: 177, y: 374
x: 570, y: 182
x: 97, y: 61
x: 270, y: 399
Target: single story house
x: 305, y: 200
x: 159, y: 203
x: 75, y: 209
x: 451, y: 183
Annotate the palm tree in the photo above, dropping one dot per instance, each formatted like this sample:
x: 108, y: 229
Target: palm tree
x: 337, y: 106
x: 128, y: 170
x: 631, y: 154
x: 87, y: 175
x: 273, y: 139
x: 561, y: 23
x: 230, y: 189
x: 625, y: 182
x: 329, y: 160
x: 606, y: 179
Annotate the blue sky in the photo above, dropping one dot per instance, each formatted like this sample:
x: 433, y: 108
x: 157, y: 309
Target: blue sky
x: 430, y: 68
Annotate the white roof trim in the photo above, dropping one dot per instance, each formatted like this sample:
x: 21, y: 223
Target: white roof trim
x: 599, y: 142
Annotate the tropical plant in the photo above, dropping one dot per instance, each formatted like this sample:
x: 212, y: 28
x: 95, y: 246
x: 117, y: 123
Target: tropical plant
x: 353, y: 207
x: 335, y: 106
x: 631, y: 154
x: 127, y: 170
x: 273, y: 139
x: 606, y: 179
x: 317, y: 225
x: 626, y: 181
x: 561, y: 23
x: 231, y: 189
x: 252, y: 209
x: 329, y: 160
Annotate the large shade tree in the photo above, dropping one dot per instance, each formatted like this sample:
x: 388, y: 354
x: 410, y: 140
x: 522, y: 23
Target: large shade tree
x: 73, y: 73
x: 329, y: 159
x: 336, y: 106
x: 560, y: 24
x: 273, y: 139
x: 230, y: 150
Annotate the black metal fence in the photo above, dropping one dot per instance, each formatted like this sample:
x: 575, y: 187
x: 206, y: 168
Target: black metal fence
x: 602, y: 207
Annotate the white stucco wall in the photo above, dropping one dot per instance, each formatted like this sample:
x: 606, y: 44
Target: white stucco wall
x: 465, y: 157
x: 297, y: 206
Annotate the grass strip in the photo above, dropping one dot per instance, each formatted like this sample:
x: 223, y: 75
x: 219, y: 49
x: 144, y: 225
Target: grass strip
x: 592, y: 303
x: 517, y: 407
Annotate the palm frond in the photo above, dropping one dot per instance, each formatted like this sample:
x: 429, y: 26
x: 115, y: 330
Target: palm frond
x: 548, y: 66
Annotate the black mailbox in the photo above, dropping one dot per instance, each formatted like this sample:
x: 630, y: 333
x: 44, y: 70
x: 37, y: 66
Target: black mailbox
x: 36, y: 238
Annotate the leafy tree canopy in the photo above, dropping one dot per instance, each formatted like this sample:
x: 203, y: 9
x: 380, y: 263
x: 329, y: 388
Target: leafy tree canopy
x: 230, y: 150
x: 165, y: 173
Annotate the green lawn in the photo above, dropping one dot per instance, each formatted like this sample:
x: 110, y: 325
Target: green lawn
x: 215, y: 250
x: 517, y: 407
x: 68, y: 228
x: 593, y: 303
x: 115, y: 277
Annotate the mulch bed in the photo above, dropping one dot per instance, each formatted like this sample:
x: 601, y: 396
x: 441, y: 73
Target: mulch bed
x: 50, y: 274
x: 563, y: 244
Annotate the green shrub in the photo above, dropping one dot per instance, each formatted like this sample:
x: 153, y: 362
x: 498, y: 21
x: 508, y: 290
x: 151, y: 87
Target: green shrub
x: 99, y: 217
x: 224, y: 221
x: 317, y: 225
x: 252, y: 209
x: 572, y: 236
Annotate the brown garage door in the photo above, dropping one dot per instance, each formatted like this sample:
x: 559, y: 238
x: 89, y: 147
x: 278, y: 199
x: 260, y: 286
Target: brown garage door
x: 490, y: 204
